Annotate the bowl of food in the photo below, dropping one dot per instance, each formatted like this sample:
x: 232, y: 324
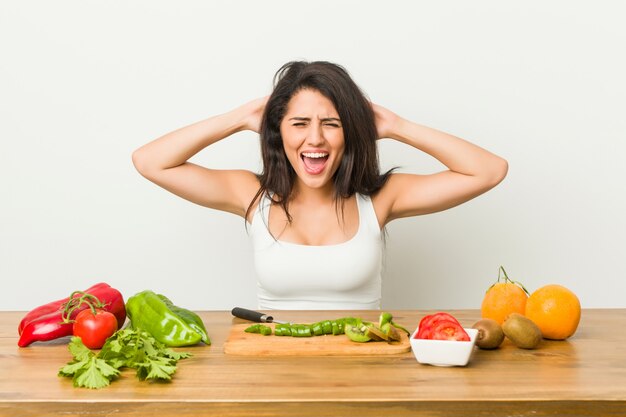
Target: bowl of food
x: 441, y: 341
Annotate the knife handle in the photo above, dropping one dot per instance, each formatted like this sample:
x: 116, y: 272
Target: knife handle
x: 244, y: 313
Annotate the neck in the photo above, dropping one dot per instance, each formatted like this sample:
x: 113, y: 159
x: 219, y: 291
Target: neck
x: 319, y: 195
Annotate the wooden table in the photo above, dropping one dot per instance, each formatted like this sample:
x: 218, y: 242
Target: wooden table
x: 583, y: 376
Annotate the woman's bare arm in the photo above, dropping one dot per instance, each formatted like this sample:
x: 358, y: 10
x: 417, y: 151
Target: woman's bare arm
x: 164, y: 161
x: 472, y: 170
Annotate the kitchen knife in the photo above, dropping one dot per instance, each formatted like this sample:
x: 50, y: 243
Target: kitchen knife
x: 244, y: 313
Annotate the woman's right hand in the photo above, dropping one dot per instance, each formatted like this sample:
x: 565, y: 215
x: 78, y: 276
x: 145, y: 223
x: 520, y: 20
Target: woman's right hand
x: 253, y: 113
x: 386, y: 121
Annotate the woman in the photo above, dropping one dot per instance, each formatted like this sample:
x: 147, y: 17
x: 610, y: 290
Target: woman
x: 316, y: 212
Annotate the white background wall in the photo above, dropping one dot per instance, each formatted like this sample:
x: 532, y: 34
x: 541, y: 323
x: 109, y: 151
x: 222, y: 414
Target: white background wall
x: 84, y: 83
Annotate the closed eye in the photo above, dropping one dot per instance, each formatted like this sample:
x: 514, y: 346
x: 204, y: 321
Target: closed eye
x: 331, y: 121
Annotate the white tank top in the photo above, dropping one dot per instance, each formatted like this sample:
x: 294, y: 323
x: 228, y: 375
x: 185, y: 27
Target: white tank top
x: 345, y: 276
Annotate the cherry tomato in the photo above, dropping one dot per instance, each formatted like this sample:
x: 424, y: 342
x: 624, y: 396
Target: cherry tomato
x: 94, y: 329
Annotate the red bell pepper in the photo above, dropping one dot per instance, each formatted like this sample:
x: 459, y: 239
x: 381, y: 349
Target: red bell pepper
x: 50, y: 308
x: 47, y: 322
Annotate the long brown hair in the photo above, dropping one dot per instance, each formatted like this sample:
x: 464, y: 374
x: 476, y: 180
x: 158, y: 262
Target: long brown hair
x: 359, y: 170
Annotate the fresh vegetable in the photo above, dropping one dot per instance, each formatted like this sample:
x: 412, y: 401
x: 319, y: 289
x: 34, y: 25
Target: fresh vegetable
x: 46, y: 309
x: 87, y: 369
x: 94, y: 326
x: 490, y: 334
x: 448, y: 330
x: 522, y: 331
x: 192, y: 319
x: 259, y: 328
x: 170, y: 325
x: 126, y: 348
x: 426, y: 324
x: 55, y: 319
x: 355, y: 328
x: 334, y: 327
x: 441, y: 326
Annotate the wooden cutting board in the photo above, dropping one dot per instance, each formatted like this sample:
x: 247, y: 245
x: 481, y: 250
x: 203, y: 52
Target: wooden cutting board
x: 241, y: 343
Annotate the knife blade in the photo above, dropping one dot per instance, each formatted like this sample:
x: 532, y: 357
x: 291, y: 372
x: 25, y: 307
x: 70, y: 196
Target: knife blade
x: 256, y: 316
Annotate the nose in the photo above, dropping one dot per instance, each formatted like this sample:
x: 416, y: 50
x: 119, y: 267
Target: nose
x: 315, y: 135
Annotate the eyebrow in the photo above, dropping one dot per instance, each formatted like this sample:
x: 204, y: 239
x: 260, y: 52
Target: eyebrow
x: 325, y: 119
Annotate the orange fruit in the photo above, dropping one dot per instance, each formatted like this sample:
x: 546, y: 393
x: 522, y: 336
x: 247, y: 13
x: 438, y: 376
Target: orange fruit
x: 555, y: 310
x: 503, y: 298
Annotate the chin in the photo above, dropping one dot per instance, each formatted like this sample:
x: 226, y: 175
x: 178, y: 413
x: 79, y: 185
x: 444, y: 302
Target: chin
x: 320, y: 182
x: 316, y: 184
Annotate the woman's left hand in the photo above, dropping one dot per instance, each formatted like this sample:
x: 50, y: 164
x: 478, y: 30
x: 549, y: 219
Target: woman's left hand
x: 386, y: 121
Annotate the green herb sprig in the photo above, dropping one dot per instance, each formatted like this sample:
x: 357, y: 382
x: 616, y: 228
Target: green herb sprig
x: 131, y: 348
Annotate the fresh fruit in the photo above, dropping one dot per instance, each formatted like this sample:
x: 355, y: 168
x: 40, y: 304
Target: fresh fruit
x: 375, y: 333
x: 490, y: 334
x: 522, y: 331
x: 556, y: 311
x: 357, y: 332
x: 94, y: 326
x: 503, y: 298
x: 392, y: 332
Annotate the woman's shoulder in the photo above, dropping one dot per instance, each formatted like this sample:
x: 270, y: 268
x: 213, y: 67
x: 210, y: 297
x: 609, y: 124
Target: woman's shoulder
x: 245, y: 185
x: 385, y: 200
x: 231, y: 190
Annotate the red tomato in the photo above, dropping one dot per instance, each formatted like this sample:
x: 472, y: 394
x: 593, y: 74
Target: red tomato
x: 449, y: 330
x: 94, y: 329
x: 428, y: 322
x: 441, y: 326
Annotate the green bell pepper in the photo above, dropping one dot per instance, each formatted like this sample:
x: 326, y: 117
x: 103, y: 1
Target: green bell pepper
x: 191, y: 318
x: 169, y: 324
x: 259, y: 328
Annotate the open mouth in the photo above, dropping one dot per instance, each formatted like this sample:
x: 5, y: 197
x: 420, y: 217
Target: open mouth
x: 314, y: 162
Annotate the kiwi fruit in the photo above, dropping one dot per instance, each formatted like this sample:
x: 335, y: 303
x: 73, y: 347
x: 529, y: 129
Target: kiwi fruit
x: 522, y: 331
x: 490, y: 334
x: 392, y: 332
x: 357, y: 332
x: 375, y: 333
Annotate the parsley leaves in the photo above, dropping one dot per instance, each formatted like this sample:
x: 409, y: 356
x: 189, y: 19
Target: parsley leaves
x: 132, y: 348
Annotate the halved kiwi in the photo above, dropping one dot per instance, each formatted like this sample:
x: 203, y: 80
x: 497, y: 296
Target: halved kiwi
x: 357, y: 332
x: 375, y: 333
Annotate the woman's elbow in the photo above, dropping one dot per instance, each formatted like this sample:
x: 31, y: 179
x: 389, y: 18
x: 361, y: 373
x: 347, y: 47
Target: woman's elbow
x: 498, y: 171
x: 141, y: 162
